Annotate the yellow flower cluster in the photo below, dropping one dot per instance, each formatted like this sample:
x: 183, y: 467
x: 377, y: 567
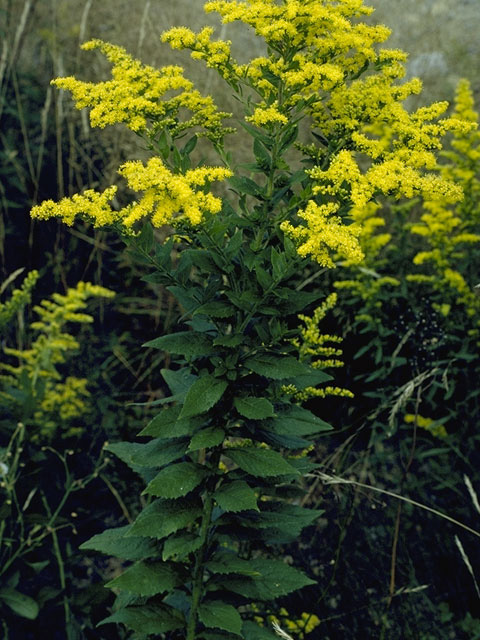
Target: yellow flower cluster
x: 18, y: 299
x: 394, y: 177
x: 37, y: 374
x: 432, y: 426
x: 265, y: 115
x: 449, y: 228
x: 92, y: 204
x: 324, y: 233
x: 311, y: 344
x: 167, y: 194
x: 215, y: 54
x: 137, y: 95
x: 301, y: 626
x: 167, y: 197
x: 321, y: 29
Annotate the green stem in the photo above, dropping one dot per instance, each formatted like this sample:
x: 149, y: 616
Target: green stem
x: 199, y: 568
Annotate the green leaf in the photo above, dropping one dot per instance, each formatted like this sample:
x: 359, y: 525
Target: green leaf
x: 263, y: 277
x: 260, y: 462
x: 148, y: 619
x: 152, y: 454
x: 147, y: 579
x: 176, y: 480
x: 19, y: 603
x: 180, y: 546
x: 299, y: 422
x: 220, y: 615
x: 113, y: 542
x: 163, y: 517
x: 185, y: 343
x: 203, y: 395
x: 288, y: 519
x: 231, y: 341
x: 245, y: 300
x: 167, y: 425
x: 256, y: 133
x: 276, y: 579
x: 243, y: 185
x: 310, y: 379
x: 254, y: 408
x: 226, y: 562
x: 215, y: 309
x: 263, y: 157
x: 145, y: 239
x: 206, y: 438
x: 288, y: 138
x: 276, y: 367
x: 178, y: 381
x: 190, y: 145
x: 282, y: 441
x: 236, y: 496
x: 279, y: 264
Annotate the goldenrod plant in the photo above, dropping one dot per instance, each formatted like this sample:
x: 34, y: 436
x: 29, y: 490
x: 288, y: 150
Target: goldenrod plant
x: 221, y: 464
x: 34, y: 390
x: 40, y: 407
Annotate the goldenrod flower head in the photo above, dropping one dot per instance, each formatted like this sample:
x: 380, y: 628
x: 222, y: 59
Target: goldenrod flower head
x: 267, y: 115
x: 323, y: 234
x: 170, y: 196
x: 57, y: 398
x: 92, y: 204
x: 18, y: 299
x: 216, y: 54
x: 139, y: 94
x: 167, y: 197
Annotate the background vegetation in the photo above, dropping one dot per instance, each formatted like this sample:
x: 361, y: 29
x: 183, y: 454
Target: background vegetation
x: 385, y: 569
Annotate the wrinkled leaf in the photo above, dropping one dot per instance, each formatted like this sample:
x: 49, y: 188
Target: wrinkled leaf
x: 276, y: 367
x: 176, y: 480
x: 202, y: 396
x: 152, y: 454
x: 185, y: 343
x: 254, y: 408
x: 236, y: 496
x: 220, y: 615
x: 148, y: 619
x: 260, y: 462
x: 147, y: 579
x: 113, y: 542
x: 206, y: 438
x: 179, y: 546
x: 163, y: 517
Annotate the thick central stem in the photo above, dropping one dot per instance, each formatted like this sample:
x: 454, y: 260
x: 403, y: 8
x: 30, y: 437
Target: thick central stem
x: 198, y: 571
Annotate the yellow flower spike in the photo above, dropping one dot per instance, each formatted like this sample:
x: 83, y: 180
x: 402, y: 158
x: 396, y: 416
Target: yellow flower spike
x: 18, y: 299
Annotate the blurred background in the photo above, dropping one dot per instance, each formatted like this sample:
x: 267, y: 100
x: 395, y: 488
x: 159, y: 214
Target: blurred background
x: 48, y: 150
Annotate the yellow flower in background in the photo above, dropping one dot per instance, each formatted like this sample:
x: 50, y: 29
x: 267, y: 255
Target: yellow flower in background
x: 432, y: 426
x: 55, y: 400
